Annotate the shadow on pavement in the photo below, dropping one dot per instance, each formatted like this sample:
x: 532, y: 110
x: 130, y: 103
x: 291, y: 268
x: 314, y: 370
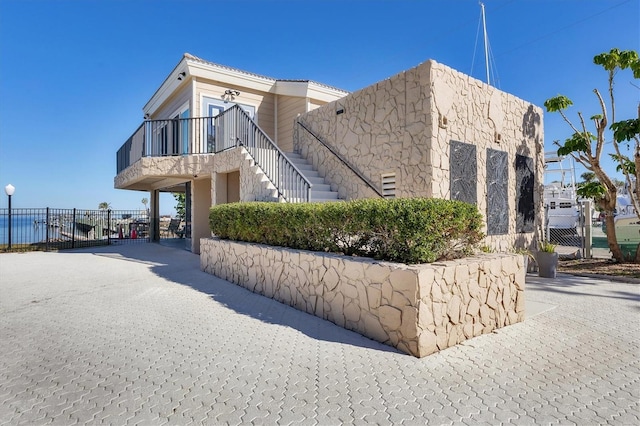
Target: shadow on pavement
x: 583, y: 286
x: 183, y: 267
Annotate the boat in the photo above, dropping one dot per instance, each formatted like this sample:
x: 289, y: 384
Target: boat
x: 560, y: 194
x: 626, y: 220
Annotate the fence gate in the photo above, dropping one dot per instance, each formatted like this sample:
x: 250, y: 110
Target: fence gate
x: 565, y: 225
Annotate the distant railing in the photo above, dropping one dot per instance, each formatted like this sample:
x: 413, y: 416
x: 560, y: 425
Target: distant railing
x: 204, y: 135
x: 53, y: 229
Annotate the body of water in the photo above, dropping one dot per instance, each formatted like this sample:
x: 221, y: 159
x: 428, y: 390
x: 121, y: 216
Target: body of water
x: 28, y: 228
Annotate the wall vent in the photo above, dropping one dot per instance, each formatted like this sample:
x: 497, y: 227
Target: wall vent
x: 389, y: 185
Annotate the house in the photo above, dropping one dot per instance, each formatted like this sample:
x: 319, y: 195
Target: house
x: 224, y: 135
x: 192, y: 125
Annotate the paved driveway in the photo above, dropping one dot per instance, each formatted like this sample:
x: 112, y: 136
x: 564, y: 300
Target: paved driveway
x: 138, y: 335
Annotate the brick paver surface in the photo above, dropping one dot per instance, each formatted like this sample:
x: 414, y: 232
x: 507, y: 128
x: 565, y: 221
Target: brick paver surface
x: 138, y: 335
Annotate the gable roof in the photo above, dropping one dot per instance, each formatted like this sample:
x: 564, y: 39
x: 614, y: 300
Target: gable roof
x: 237, y: 70
x: 194, y: 66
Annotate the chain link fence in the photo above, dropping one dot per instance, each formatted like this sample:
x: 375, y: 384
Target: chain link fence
x: 566, y: 226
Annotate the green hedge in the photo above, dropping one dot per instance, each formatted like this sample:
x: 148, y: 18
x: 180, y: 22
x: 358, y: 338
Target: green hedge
x: 408, y: 230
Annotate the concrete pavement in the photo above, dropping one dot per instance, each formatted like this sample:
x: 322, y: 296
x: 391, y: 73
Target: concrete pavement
x: 138, y: 335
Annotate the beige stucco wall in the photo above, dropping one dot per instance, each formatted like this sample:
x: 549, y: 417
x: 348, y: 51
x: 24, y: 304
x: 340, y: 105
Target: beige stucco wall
x: 288, y: 109
x: 201, y: 196
x: 403, y: 125
x: 419, y: 309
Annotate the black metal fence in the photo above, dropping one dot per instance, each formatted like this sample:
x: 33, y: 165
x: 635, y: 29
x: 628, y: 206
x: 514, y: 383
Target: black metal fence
x: 55, y: 229
x: 161, y: 138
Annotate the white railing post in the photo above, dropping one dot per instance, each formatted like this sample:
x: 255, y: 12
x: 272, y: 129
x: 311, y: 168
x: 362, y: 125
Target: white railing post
x: 588, y: 240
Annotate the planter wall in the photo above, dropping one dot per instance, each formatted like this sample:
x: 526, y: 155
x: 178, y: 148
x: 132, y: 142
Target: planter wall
x: 419, y: 309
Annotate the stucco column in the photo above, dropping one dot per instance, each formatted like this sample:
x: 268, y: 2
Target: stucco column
x: 200, y: 204
x: 154, y: 215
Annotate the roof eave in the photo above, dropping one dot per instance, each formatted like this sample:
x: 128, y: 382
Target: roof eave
x: 168, y: 86
x: 308, y: 89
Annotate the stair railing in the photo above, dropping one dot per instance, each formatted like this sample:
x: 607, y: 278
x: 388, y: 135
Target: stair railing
x: 234, y: 127
x: 343, y: 160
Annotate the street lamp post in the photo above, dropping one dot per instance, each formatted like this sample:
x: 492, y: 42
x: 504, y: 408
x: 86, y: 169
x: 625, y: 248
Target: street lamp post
x: 9, y: 190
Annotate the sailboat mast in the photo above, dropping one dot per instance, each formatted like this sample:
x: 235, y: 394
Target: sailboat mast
x: 486, y: 44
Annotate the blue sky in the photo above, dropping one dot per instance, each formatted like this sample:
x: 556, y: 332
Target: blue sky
x: 74, y: 75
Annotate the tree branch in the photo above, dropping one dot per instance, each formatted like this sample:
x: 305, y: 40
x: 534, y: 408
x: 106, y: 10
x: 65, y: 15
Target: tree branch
x: 601, y: 125
x: 568, y: 122
x: 613, y: 104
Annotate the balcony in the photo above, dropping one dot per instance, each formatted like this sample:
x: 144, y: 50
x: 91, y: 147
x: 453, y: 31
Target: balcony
x: 176, y: 137
x: 189, y: 137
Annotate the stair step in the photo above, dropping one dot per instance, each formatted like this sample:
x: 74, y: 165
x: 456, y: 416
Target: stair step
x: 303, y: 167
x: 322, y: 200
x: 320, y: 187
x: 320, y: 190
x: 327, y: 195
x: 315, y: 180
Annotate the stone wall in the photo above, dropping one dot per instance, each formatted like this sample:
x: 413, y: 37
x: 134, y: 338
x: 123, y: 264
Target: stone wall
x: 381, y: 129
x: 342, y: 179
x: 419, y: 309
x: 470, y: 111
x: 178, y: 167
x: 254, y: 185
x: 405, y: 125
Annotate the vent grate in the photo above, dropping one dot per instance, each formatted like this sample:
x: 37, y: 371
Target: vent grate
x: 389, y: 185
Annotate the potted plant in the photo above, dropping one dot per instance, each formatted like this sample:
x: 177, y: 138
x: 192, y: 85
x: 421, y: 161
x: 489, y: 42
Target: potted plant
x: 526, y: 256
x: 547, y: 259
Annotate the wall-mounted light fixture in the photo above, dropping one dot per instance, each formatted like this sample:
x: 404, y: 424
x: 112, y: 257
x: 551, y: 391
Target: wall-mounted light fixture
x: 230, y: 95
x: 146, y: 116
x: 442, y: 121
x: 182, y: 75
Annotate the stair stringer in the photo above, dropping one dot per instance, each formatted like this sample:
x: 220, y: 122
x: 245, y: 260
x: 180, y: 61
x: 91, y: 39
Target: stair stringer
x: 269, y: 192
x: 254, y: 184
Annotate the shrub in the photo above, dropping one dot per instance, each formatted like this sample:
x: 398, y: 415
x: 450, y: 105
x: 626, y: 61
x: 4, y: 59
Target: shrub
x: 409, y: 230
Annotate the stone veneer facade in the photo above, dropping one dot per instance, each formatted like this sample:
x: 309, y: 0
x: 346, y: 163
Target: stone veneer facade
x: 254, y: 185
x: 419, y: 309
x: 404, y: 126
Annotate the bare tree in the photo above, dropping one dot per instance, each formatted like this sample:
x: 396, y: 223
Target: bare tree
x: 587, y: 148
